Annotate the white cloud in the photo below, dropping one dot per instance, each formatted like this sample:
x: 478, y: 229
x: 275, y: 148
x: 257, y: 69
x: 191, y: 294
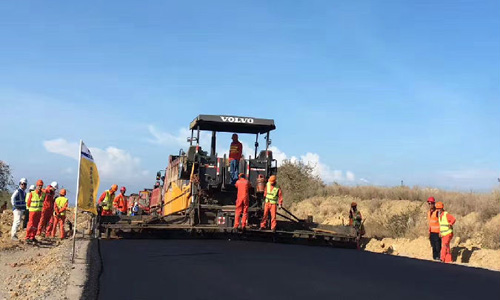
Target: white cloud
x: 112, y: 162
x: 68, y: 171
x: 168, y: 139
x: 62, y: 147
x: 350, y: 176
x: 364, y: 180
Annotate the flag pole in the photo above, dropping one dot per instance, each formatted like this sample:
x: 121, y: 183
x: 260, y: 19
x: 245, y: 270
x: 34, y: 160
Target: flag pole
x: 76, y: 201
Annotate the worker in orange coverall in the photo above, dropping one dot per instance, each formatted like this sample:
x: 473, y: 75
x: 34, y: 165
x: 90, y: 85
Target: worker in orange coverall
x: 35, y: 205
x: 434, y: 229
x: 242, y: 201
x: 446, y: 222
x: 274, y: 198
x: 120, y: 203
x: 60, y: 208
x: 106, y: 201
x: 47, y: 211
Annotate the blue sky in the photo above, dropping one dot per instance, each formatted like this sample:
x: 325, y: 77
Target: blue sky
x: 370, y: 93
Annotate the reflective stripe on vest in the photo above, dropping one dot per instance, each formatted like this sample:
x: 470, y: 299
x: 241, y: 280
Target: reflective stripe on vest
x: 433, y: 221
x: 20, y: 200
x: 107, y: 202
x: 272, y: 194
x: 37, y: 201
x: 444, y: 225
x: 61, y: 202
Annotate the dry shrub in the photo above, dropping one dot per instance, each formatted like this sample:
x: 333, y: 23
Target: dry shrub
x: 491, y: 233
x: 298, y: 182
x: 468, y: 227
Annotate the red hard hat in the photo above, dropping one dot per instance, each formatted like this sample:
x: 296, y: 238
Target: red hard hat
x: 431, y: 200
x: 62, y: 192
x: 39, y: 182
x: 123, y: 189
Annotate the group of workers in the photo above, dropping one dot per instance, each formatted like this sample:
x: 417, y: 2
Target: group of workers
x: 440, y: 230
x: 273, y: 200
x: 109, y: 204
x: 273, y: 196
x: 42, y: 211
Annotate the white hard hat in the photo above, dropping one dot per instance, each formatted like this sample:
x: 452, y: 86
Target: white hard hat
x: 54, y: 184
x: 32, y: 187
x: 23, y: 180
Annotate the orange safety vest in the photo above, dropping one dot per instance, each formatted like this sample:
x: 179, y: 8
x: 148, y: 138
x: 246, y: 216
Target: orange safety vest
x: 433, y: 219
x: 235, y: 151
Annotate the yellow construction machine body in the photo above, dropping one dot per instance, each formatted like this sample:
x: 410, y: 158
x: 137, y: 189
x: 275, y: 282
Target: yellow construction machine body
x: 178, y: 196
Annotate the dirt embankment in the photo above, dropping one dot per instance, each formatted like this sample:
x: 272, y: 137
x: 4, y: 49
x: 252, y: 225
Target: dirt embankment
x: 399, y: 227
x: 33, y: 272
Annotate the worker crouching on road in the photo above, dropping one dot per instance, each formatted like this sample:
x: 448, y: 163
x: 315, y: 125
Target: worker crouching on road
x: 35, y: 205
x: 106, y: 201
x: 242, y: 201
x: 274, y: 197
x: 446, y: 222
x: 434, y: 238
x: 60, y: 208
x: 120, y: 203
x: 355, y: 219
x: 47, y: 210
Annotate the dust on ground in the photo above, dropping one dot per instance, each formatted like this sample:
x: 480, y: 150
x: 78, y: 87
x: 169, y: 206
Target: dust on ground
x: 33, y: 272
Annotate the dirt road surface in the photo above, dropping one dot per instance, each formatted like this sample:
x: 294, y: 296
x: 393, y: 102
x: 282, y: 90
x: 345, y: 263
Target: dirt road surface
x: 212, y: 269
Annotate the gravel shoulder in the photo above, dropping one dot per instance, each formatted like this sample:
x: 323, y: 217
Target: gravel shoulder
x: 44, y: 271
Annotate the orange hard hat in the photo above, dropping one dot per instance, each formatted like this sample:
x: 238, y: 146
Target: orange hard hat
x: 62, y: 192
x: 114, y: 187
x: 439, y: 204
x: 354, y: 204
x: 431, y: 200
x: 39, y: 182
x: 272, y: 179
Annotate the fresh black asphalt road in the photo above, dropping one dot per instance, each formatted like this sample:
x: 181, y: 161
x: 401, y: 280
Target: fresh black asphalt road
x: 221, y: 269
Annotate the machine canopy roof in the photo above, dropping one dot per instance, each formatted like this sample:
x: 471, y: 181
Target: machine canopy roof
x: 232, y: 124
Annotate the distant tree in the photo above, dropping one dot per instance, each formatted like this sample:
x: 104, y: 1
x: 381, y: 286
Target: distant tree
x: 298, y: 181
x: 6, y: 180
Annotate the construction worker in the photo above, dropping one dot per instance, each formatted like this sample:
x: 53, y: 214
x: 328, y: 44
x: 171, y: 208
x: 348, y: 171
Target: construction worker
x: 120, y: 203
x: 35, y: 204
x: 235, y: 153
x: 60, y: 208
x: 44, y: 227
x: 27, y: 211
x: 135, y: 209
x: 446, y: 222
x: 242, y: 201
x: 106, y: 201
x: 434, y: 238
x: 52, y: 220
x: 18, y: 201
x: 274, y: 197
x: 355, y: 219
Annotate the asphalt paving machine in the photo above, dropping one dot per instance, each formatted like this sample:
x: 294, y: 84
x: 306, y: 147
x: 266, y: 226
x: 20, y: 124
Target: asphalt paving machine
x: 196, y: 193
